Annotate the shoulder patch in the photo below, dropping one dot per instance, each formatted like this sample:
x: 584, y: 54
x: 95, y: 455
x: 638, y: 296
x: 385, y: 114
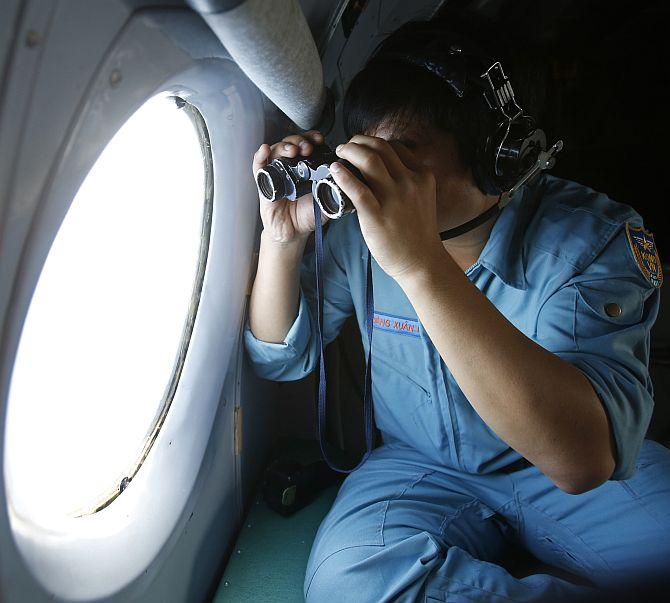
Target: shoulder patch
x: 644, y: 251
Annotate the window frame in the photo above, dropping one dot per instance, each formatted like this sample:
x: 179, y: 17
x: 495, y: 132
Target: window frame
x: 173, y: 52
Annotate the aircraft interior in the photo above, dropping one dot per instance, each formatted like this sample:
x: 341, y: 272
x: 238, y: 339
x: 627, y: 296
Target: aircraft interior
x: 143, y: 457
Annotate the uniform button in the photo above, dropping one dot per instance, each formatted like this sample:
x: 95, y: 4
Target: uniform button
x: 613, y: 310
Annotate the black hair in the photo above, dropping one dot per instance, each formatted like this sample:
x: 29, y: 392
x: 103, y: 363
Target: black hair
x: 398, y: 94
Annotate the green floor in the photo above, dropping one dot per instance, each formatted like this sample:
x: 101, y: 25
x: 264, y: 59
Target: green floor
x: 270, y: 556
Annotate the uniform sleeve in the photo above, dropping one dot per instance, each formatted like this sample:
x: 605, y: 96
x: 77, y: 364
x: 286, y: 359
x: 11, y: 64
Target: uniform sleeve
x: 297, y: 356
x: 600, y: 322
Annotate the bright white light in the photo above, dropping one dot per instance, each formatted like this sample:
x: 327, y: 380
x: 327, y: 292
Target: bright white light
x: 105, y: 324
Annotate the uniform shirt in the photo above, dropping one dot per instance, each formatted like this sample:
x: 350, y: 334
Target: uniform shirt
x: 558, y: 265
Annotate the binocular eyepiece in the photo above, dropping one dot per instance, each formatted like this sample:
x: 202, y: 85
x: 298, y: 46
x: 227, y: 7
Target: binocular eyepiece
x: 290, y: 178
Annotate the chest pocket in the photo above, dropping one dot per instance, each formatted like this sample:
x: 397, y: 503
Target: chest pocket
x: 397, y: 396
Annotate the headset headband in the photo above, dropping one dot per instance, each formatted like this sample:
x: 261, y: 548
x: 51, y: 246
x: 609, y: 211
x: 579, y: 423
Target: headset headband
x: 514, y: 151
x: 462, y: 71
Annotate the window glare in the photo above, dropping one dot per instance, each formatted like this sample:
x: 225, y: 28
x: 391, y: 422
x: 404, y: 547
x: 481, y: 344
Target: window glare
x: 105, y: 324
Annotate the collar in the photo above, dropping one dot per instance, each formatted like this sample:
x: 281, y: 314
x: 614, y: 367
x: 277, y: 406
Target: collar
x: 503, y: 252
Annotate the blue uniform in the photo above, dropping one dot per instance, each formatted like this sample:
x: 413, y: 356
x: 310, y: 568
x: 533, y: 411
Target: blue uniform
x: 429, y: 514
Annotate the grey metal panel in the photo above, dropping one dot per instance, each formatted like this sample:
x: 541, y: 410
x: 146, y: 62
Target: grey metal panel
x: 10, y: 17
x: 49, y: 143
x: 52, y: 96
x: 322, y: 16
x: 344, y: 57
x: 22, y: 74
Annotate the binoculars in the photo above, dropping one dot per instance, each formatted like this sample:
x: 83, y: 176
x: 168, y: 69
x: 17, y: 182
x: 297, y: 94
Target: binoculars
x: 290, y: 178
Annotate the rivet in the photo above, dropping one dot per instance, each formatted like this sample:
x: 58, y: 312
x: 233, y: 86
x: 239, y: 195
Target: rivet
x: 226, y: 583
x: 613, y: 310
x: 115, y: 78
x: 32, y: 38
x: 239, y: 551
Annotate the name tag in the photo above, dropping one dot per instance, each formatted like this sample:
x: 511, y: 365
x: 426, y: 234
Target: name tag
x: 396, y: 324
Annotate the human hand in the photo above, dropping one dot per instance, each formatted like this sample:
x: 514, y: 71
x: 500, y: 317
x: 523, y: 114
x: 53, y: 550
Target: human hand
x: 283, y: 220
x: 396, y: 204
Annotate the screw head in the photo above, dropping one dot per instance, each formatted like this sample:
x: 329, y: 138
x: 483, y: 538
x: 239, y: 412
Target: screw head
x: 115, y: 78
x: 32, y: 38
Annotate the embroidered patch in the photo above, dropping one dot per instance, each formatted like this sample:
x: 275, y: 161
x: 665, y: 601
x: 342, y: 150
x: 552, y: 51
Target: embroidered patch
x: 396, y: 324
x: 645, y: 253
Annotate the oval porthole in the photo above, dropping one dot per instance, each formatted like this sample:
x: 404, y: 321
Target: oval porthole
x: 109, y: 323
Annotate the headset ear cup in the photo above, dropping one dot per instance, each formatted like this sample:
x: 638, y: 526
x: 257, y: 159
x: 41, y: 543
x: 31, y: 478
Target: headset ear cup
x: 482, y: 174
x: 484, y: 170
x: 532, y: 142
x: 512, y: 153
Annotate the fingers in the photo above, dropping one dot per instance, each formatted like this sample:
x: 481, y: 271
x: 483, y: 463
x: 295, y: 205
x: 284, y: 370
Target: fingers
x: 297, y: 144
x: 420, y: 172
x: 290, y: 146
x: 361, y: 196
x: 387, y: 151
x: 409, y: 159
x: 369, y: 162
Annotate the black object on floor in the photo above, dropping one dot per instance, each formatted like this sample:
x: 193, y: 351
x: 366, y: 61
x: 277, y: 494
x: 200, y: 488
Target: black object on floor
x: 289, y: 485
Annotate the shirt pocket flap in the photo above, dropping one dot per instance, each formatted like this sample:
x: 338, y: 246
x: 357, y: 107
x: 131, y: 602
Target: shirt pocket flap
x: 615, y: 301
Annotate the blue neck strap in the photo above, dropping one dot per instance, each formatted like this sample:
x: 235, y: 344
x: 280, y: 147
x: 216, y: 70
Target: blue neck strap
x: 369, y: 311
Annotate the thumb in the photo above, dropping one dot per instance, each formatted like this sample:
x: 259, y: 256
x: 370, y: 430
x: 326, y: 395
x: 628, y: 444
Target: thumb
x: 260, y: 158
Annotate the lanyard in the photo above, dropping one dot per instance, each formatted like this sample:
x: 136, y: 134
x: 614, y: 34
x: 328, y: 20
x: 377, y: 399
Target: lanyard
x: 369, y: 310
x: 494, y: 210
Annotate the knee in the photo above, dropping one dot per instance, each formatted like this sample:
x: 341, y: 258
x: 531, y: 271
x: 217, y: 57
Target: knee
x: 350, y: 574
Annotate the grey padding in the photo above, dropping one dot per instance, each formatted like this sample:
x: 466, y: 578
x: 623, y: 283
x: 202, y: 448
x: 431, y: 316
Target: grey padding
x: 271, y: 42
x: 213, y: 6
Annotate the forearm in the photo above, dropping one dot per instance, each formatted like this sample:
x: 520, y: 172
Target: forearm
x: 542, y: 406
x: 273, y: 305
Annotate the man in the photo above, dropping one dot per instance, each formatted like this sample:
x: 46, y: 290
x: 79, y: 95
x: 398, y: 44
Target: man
x: 515, y: 407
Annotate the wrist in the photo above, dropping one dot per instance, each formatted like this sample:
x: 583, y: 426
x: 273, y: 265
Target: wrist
x: 432, y: 265
x: 292, y: 249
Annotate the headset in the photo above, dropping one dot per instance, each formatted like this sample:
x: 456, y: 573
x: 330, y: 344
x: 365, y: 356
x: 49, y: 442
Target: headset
x: 513, y: 149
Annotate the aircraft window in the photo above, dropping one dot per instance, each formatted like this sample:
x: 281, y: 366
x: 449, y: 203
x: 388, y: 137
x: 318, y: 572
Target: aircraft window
x: 110, y: 320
